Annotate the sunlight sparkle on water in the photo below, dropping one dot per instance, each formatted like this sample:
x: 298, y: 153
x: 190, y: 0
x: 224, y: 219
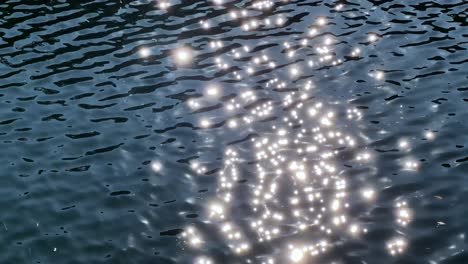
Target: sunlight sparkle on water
x: 203, y: 260
x: 356, y: 52
x: 368, y: 193
x: 396, y: 246
x: 144, y: 52
x: 294, y: 165
x: 205, y: 123
x: 429, y: 135
x: 296, y: 255
x: 213, y: 91
x: 204, y: 24
x: 294, y: 71
x: 183, y: 56
x: 321, y: 21
x: 403, y: 213
x: 156, y: 166
x: 410, y: 164
x: 164, y: 5
x: 372, y: 37
x: 280, y: 21
x: 403, y: 144
x: 312, y: 32
x: 378, y: 75
x: 192, y: 236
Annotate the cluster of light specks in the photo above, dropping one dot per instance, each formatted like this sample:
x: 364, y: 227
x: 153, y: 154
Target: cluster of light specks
x: 396, y: 246
x: 263, y: 4
x: 353, y: 114
x: 262, y: 61
x: 216, y: 44
x: 221, y: 63
x: 296, y: 182
x: 300, y: 253
x: 203, y: 260
x: 363, y: 156
x: 192, y: 237
x: 198, y: 168
x: 410, y: 164
x: 234, y: 14
x: 356, y: 52
x: 254, y: 24
x: 205, y: 24
x: 235, y: 239
x: 403, y: 213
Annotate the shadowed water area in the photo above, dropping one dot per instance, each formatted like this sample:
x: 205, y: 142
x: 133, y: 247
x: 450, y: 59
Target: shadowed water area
x: 113, y: 146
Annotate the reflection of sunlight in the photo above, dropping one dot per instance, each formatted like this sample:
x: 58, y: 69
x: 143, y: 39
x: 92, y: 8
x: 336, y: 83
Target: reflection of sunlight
x: 193, y: 237
x: 403, y: 213
x: 213, y: 91
x: 144, y: 52
x: 372, y: 37
x: 321, y: 21
x: 205, y: 123
x: 203, y: 260
x: 156, y: 166
x: 205, y: 24
x: 164, y: 5
x: 429, y: 135
x: 378, y: 75
x: 410, y: 164
x: 296, y: 255
x: 356, y: 52
x: 368, y: 194
x: 338, y: 7
x: 396, y: 246
x: 294, y: 71
x: 297, y: 165
x: 183, y: 56
x: 403, y: 144
x: 297, y: 178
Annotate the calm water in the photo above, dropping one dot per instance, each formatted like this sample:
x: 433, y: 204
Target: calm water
x: 120, y: 120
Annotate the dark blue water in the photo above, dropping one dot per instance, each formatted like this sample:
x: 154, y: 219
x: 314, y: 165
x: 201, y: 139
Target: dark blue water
x: 114, y: 142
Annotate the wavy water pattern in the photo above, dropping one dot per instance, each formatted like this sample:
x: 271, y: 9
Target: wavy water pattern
x: 120, y: 118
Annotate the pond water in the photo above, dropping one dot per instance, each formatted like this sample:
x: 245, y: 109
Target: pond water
x: 234, y: 131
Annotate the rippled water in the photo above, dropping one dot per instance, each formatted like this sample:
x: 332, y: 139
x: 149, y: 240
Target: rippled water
x: 117, y: 128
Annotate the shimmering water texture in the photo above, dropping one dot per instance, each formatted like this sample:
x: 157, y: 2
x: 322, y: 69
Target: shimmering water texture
x: 294, y: 203
x: 222, y: 131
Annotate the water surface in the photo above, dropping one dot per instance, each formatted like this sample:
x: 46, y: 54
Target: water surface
x: 102, y: 123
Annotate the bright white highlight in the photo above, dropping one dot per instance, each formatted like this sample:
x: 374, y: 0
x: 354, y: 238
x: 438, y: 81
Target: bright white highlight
x: 144, y: 52
x: 183, y: 56
x: 156, y: 166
